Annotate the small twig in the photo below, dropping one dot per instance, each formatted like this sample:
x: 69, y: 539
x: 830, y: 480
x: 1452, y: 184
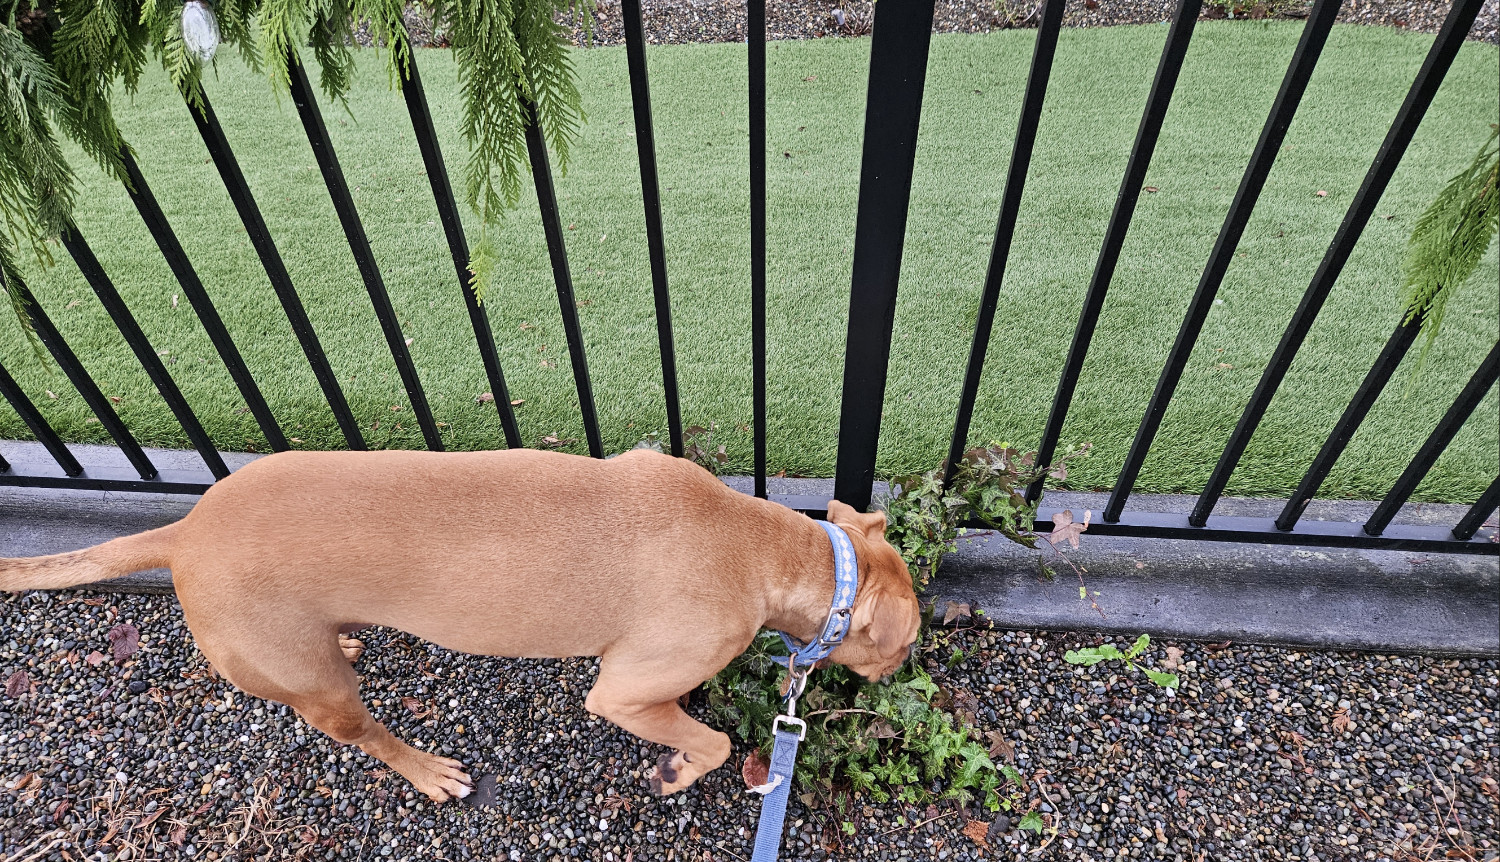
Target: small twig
x: 730, y: 852
x: 839, y: 713
x: 916, y: 825
x: 43, y: 837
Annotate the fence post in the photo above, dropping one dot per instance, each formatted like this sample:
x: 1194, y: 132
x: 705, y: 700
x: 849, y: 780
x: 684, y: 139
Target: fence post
x: 893, y: 112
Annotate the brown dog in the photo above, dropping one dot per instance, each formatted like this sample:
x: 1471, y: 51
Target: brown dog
x: 644, y: 560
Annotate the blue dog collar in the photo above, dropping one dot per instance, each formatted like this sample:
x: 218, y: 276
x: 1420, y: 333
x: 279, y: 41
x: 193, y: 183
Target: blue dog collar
x: 841, y: 614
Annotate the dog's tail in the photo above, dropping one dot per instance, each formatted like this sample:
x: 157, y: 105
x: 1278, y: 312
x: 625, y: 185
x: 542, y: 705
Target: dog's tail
x: 115, y: 558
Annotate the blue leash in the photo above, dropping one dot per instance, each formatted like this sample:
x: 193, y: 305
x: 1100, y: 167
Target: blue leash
x: 789, y: 730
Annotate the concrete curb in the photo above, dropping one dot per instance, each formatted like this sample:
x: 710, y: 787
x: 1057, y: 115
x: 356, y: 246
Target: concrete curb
x: 1379, y: 601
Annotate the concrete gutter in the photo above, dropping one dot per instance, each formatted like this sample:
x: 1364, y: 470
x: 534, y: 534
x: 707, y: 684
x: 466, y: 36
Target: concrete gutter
x: 1379, y: 601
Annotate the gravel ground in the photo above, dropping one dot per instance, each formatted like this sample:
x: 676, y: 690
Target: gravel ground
x: 682, y: 21
x: 1266, y: 754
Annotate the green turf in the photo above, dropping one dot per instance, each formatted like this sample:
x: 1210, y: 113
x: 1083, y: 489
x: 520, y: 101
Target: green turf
x: 815, y: 122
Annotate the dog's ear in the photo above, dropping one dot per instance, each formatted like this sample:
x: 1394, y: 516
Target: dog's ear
x: 883, y: 615
x: 871, y: 525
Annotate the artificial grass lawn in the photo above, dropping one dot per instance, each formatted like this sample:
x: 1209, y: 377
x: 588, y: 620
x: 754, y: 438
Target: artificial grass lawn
x: 816, y: 111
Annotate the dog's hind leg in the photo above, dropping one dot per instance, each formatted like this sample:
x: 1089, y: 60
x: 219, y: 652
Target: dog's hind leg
x: 307, y: 671
x: 651, y: 712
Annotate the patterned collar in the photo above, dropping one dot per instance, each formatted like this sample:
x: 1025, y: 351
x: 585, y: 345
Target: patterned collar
x: 840, y: 615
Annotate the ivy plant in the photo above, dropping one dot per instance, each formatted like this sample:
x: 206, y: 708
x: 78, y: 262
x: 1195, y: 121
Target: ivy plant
x: 908, y: 740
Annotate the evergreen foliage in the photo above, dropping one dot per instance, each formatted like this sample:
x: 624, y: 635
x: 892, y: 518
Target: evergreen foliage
x: 1450, y: 238
x: 62, y: 60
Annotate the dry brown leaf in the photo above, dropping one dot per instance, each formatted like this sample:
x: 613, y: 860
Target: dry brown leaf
x: 978, y: 831
x: 24, y: 781
x: 94, y: 658
x: 1322, y: 194
x: 1065, y: 529
x: 1150, y: 189
x: 956, y: 611
x: 1225, y: 365
x: 517, y: 402
x: 484, y: 398
x: 1173, y: 661
x: 1341, y: 720
x: 74, y: 304
x: 1000, y: 746
x: 415, y: 707
x: 17, y: 684
x: 756, y: 770
x: 124, y: 640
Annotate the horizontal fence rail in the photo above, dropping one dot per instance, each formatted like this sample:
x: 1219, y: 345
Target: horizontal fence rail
x: 897, y: 80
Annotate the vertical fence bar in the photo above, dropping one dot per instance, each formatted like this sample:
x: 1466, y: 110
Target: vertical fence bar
x: 1364, y: 398
x: 359, y: 245
x: 270, y: 259
x: 4, y: 465
x: 1429, y: 78
x: 141, y: 347
x: 68, y: 362
x: 1162, y: 87
x: 1043, y: 50
x: 1469, y: 398
x: 38, y: 424
x: 197, y: 296
x: 645, y: 143
x: 1293, y: 85
x: 458, y: 246
x: 1472, y: 520
x: 756, y: 25
x: 541, y: 174
x: 893, y: 113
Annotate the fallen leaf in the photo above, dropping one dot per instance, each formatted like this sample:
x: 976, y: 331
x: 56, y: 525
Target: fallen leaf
x: 115, y: 398
x: 179, y: 834
x: 1341, y: 720
x: 517, y: 402
x: 124, y: 640
x: 881, y: 729
x: 756, y: 770
x: 1225, y: 365
x: 94, y: 658
x: 415, y: 707
x: 77, y: 302
x: 525, y: 326
x: 573, y: 226
x: 484, y: 398
x: 174, y: 300
x: 409, y: 341
x: 1065, y: 529
x: 811, y: 78
x: 978, y: 831
x: 295, y: 439
x: 1150, y: 190
x: 60, y: 811
x: 51, y: 394
x: 1091, y: 4
x: 24, y: 781
x: 17, y: 684
x: 396, y: 408
x: 1173, y: 660
x: 956, y: 610
x: 1000, y: 746
x: 1322, y: 194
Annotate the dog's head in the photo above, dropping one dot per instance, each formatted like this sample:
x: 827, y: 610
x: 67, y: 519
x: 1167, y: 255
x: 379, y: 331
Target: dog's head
x: 886, y: 614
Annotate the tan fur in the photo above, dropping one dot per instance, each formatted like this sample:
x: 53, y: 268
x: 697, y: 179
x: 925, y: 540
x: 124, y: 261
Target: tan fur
x: 644, y: 560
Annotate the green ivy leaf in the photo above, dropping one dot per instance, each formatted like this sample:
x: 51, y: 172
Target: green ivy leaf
x: 1032, y: 822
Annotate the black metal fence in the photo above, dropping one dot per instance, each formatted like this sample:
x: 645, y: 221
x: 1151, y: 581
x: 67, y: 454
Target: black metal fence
x: 898, y: 63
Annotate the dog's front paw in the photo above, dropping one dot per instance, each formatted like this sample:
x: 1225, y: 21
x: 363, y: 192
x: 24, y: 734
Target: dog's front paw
x: 670, y: 774
x: 441, y: 778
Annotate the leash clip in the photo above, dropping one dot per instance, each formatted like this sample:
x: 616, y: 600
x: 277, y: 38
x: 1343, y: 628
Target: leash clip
x: 792, y: 720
